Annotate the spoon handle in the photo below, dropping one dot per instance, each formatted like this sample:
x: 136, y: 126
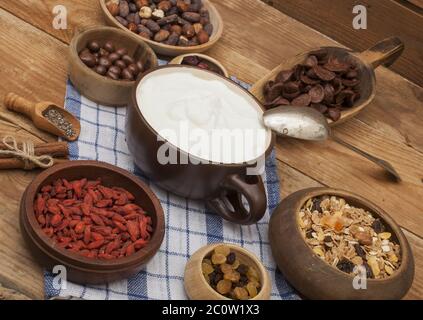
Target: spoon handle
x: 384, y: 53
x: 18, y: 104
x: 381, y: 163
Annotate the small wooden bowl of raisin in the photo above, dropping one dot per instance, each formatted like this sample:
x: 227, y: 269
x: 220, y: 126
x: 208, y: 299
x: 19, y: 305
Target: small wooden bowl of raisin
x: 226, y: 272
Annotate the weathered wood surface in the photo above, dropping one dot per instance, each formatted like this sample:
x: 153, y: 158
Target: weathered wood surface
x: 385, y: 18
x: 34, y: 64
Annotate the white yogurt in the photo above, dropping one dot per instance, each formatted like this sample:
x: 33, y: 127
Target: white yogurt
x: 203, y: 115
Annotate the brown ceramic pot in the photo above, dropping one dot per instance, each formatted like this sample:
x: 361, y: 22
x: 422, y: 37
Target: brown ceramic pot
x: 223, y: 186
x: 315, y: 278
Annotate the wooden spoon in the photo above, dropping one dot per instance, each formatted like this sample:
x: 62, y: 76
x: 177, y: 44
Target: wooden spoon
x: 36, y: 111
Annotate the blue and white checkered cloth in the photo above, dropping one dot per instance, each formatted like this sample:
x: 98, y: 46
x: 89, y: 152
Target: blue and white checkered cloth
x: 189, y: 226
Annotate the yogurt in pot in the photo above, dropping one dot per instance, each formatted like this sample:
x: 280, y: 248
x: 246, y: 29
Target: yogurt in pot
x: 201, y: 136
x: 213, y: 120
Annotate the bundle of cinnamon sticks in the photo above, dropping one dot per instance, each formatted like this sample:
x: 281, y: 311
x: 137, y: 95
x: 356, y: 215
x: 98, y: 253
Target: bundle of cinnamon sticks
x: 58, y: 150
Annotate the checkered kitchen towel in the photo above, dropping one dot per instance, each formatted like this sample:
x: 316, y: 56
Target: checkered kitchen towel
x: 188, y: 225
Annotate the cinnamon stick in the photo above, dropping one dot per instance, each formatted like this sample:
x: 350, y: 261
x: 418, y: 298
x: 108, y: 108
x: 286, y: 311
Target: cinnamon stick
x: 15, y: 163
x: 54, y: 149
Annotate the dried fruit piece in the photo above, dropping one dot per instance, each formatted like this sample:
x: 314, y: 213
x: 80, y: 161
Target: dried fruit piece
x: 224, y: 287
x: 207, y: 268
x: 241, y: 293
x: 218, y: 258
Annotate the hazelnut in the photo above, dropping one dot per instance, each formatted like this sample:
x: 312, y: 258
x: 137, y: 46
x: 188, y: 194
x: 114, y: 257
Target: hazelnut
x: 145, y: 12
x: 132, y: 27
x: 158, y: 14
x: 198, y: 27
x: 183, y: 41
x: 164, y: 5
x: 113, y: 8
x: 161, y: 36
x: 176, y: 29
x: 202, y: 36
x: 188, y: 30
x: 182, y: 6
x: 141, y: 3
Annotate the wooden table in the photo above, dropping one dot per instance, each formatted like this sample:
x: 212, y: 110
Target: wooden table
x: 257, y: 37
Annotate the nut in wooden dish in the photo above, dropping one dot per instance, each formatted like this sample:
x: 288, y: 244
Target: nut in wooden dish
x: 171, y: 27
x: 349, y: 238
x: 319, y: 236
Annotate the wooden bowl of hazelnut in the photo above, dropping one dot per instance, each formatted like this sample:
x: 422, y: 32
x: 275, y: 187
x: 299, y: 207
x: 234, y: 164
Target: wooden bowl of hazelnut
x: 224, y: 271
x: 104, y: 63
x: 171, y: 28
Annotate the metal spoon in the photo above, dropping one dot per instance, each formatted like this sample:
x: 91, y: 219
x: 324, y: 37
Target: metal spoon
x: 309, y: 124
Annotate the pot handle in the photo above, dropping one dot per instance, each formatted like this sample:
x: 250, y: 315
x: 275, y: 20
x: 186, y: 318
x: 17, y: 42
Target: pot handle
x: 234, y: 188
x: 385, y: 52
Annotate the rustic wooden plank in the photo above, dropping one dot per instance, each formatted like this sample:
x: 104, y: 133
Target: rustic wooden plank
x: 9, y: 294
x: 385, y: 18
x: 37, y: 72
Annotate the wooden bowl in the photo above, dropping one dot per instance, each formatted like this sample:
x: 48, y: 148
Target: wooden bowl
x: 197, y: 287
x: 216, y: 63
x: 173, y: 51
x: 384, y: 52
x: 80, y: 269
x: 315, y: 278
x: 98, y: 88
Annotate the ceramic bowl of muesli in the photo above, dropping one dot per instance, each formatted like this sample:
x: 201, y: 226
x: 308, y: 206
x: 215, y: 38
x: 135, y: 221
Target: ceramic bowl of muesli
x: 332, y: 244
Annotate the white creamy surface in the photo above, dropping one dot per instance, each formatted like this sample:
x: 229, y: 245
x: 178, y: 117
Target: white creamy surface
x: 203, y: 115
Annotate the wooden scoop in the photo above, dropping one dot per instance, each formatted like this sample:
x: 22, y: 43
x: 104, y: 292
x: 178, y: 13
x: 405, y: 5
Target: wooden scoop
x: 35, y: 111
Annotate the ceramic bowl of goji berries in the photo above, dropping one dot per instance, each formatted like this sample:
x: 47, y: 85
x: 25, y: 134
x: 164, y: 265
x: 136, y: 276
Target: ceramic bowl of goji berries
x: 99, y: 221
x: 224, y: 271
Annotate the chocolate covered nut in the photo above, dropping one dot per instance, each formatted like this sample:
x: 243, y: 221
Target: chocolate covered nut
x: 121, y: 64
x: 140, y: 66
x: 134, y: 69
x: 115, y: 69
x: 88, y: 59
x: 112, y: 75
x: 105, y: 62
x: 113, y: 57
x: 127, y: 60
x: 127, y: 75
x: 94, y: 46
x: 102, y: 70
x: 121, y: 52
x: 109, y: 47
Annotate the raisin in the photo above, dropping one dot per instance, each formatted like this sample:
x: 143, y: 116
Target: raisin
x: 242, y: 269
x: 231, y: 258
x: 359, y: 250
x: 378, y: 226
x: 316, y: 205
x: 345, y: 266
